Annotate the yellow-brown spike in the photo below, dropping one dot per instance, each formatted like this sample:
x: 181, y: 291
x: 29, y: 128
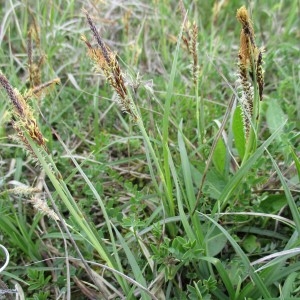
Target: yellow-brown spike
x: 194, y: 52
x: 34, y: 68
x: 250, y: 66
x: 23, y: 116
x: 106, y: 60
x: 189, y: 38
x: 248, y: 53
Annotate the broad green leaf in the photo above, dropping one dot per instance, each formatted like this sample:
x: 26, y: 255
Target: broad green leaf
x: 235, y: 269
x: 214, y: 183
x: 273, y: 203
x: 219, y: 156
x: 250, y: 243
x: 215, y: 242
x: 242, y: 172
x: 275, y: 117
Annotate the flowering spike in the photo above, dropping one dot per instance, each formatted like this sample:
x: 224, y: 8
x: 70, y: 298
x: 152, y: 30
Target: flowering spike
x: 250, y: 66
x: 106, y: 60
x: 24, y: 120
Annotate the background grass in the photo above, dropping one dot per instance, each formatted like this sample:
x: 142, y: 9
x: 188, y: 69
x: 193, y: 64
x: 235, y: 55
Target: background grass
x: 128, y: 190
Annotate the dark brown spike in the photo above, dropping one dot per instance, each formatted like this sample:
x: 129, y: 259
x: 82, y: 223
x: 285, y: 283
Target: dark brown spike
x: 260, y: 75
x: 12, y: 95
x: 29, y: 48
x: 98, y: 38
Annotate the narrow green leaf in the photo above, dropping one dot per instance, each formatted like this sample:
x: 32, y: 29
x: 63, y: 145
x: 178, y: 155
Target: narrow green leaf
x: 76, y: 213
x: 183, y: 217
x: 138, y: 275
x: 166, y: 120
x: 185, y: 164
x: 188, y: 185
x: 238, y: 131
x: 258, y: 283
x: 296, y: 160
x: 290, y: 200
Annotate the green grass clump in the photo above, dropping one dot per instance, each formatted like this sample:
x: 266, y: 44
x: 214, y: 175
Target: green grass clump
x: 145, y: 175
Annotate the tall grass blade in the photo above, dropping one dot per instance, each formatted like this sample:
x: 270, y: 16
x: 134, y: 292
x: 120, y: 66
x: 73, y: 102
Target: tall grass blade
x: 290, y: 200
x: 258, y: 283
x: 166, y: 120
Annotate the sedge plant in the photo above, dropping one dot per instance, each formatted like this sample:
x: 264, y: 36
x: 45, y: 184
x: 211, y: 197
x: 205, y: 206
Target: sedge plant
x: 188, y: 245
